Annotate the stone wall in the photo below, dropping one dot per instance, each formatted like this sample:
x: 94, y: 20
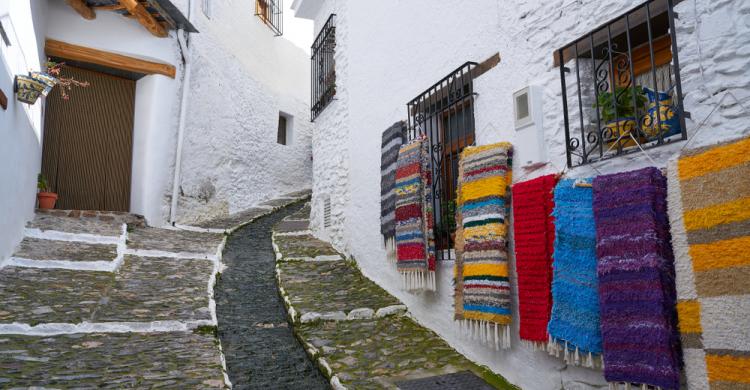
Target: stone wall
x: 393, y: 50
x: 243, y: 77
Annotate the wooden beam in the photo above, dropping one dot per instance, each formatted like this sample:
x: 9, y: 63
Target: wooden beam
x: 72, y: 52
x: 114, y: 7
x: 144, y: 17
x: 82, y: 9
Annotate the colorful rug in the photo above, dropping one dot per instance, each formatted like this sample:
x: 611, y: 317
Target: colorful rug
x: 414, y: 220
x: 574, y: 321
x: 483, y: 299
x: 393, y: 138
x: 533, y: 238
x: 709, y: 213
x: 636, y: 279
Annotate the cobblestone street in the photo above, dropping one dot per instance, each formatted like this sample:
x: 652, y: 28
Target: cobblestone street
x: 258, y: 343
x: 359, y: 335
x: 92, y: 300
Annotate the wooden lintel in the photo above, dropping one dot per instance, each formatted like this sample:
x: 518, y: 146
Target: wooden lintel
x: 72, y: 52
x: 144, y: 17
x: 84, y: 10
x: 115, y: 7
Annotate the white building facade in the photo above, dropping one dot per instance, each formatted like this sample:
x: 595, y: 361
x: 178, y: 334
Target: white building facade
x: 243, y: 79
x: 389, y: 52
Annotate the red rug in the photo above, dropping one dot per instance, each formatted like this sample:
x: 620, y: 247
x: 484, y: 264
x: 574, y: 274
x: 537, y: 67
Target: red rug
x: 534, y: 236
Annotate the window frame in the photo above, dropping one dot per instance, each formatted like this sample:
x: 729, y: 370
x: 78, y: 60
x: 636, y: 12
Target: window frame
x: 615, y: 44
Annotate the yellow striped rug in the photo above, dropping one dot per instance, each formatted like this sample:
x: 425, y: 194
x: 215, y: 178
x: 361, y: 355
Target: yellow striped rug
x: 709, y: 212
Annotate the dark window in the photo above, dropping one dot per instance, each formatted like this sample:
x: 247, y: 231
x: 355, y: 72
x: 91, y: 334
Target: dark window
x: 271, y: 12
x: 281, y: 135
x: 323, y: 68
x: 444, y: 113
x: 621, y: 86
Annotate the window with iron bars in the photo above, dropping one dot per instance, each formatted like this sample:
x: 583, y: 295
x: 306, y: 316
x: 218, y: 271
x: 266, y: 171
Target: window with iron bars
x: 271, y: 12
x: 323, y: 68
x: 621, y: 86
x: 444, y: 114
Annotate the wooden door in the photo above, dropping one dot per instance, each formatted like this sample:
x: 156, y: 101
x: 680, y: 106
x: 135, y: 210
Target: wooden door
x: 88, y: 142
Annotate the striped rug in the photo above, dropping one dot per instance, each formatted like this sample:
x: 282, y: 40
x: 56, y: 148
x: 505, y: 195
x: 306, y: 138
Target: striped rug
x: 636, y: 279
x: 574, y: 322
x: 709, y: 213
x: 414, y: 237
x: 483, y: 298
x: 393, y: 138
x: 533, y: 238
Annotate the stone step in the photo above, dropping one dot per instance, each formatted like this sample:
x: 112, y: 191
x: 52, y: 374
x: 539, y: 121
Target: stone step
x: 380, y: 353
x: 329, y: 287
x: 184, y: 243
x: 113, y: 361
x: 51, y: 251
x: 59, y: 221
x: 143, y: 290
x: 305, y: 247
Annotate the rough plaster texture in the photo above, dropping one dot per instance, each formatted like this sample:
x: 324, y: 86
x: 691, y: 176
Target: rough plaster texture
x: 20, y: 124
x: 332, y: 138
x: 243, y: 77
x: 376, y: 77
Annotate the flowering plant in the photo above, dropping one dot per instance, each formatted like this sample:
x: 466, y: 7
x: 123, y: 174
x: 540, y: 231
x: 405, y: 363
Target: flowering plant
x: 54, y: 69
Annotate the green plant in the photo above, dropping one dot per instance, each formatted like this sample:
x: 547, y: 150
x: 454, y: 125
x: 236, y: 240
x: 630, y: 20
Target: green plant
x: 625, y: 108
x: 41, y: 183
x: 448, y: 217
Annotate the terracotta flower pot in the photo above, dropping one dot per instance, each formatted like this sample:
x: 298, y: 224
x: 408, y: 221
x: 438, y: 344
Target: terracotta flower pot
x: 46, y: 200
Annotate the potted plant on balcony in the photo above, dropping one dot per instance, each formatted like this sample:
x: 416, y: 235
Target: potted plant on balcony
x: 45, y: 197
x: 629, y: 102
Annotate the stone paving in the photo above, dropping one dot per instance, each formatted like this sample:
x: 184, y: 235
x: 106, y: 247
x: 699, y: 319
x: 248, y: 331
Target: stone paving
x: 355, y: 331
x: 234, y: 221
x: 260, y: 348
x: 180, y: 360
x: 39, y: 249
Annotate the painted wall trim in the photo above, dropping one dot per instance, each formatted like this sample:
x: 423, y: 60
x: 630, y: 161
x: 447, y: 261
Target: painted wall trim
x: 118, y: 61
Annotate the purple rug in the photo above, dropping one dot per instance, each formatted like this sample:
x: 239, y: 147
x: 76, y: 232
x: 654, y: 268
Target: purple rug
x: 636, y: 279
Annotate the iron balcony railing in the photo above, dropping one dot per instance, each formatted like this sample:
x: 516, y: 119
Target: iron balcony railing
x: 271, y: 12
x: 625, y: 93
x: 323, y: 68
x: 444, y: 114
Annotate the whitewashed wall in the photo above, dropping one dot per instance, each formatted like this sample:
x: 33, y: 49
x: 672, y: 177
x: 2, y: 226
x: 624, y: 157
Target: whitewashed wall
x: 20, y: 124
x: 243, y: 77
x: 156, y: 101
x: 389, y: 51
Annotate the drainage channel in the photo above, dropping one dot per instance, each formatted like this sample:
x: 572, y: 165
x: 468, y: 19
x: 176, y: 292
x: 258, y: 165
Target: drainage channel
x: 260, y: 349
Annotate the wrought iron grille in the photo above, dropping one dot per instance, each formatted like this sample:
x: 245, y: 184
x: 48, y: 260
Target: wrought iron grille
x: 626, y: 92
x: 323, y: 68
x: 444, y: 114
x: 271, y: 12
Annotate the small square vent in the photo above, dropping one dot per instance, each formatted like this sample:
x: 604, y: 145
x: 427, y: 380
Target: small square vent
x: 327, y: 212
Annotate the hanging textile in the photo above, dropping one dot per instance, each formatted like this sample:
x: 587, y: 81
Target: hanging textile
x: 636, y: 279
x: 393, y: 138
x: 415, y: 245
x: 483, y: 298
x: 709, y: 213
x: 574, y: 321
x: 533, y: 238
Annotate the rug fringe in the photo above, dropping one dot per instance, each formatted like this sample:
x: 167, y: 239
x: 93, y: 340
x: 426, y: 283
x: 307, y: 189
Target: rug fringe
x: 390, y: 250
x: 488, y: 333
x: 418, y: 280
x: 573, y: 355
x: 535, y: 345
x: 629, y: 386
